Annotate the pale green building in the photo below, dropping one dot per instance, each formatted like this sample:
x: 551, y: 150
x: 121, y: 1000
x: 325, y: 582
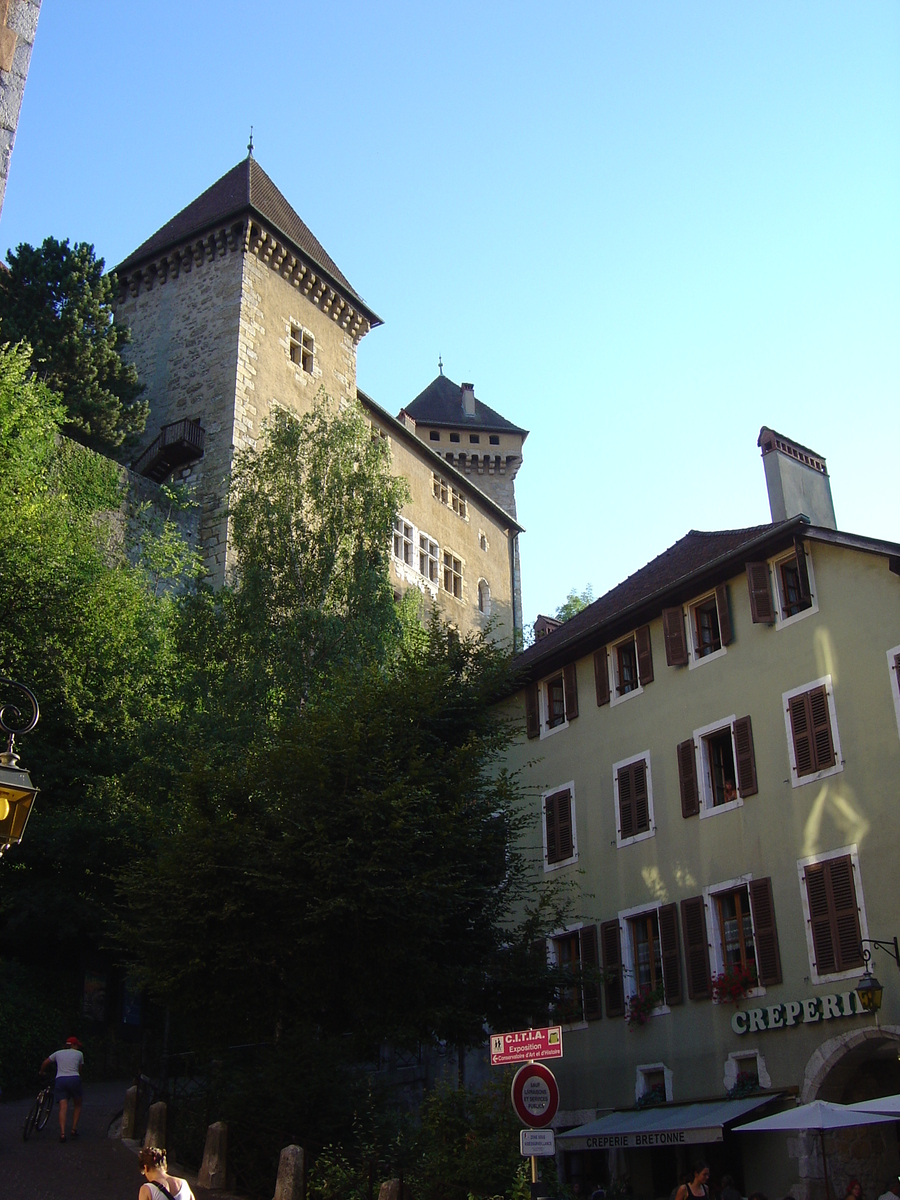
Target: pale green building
x: 715, y: 753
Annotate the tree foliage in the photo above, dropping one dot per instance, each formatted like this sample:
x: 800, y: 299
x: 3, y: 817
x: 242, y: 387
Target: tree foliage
x: 57, y: 299
x: 574, y: 603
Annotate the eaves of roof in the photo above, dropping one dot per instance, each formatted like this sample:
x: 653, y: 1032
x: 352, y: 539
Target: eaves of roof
x: 589, y: 630
x: 398, y: 429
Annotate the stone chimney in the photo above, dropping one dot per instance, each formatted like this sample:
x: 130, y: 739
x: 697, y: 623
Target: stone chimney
x: 796, y: 479
x: 408, y: 421
x: 468, y: 398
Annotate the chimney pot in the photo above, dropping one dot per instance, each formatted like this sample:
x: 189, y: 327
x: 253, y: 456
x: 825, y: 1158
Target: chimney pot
x: 468, y: 398
x: 796, y: 479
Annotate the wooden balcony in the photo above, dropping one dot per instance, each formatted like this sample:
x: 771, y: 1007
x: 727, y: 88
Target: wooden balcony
x: 179, y: 443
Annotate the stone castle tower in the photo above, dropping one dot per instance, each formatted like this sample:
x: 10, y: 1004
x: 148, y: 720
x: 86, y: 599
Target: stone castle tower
x: 233, y: 306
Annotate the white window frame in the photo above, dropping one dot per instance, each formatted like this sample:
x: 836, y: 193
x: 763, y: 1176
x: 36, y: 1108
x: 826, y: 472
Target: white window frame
x: 802, y: 780
x: 894, y: 676
x: 714, y: 930
x: 642, y: 1070
x: 612, y: 661
x: 648, y: 833
x: 732, y: 1068
x: 412, y: 541
x: 694, y: 659
x: 576, y: 927
x: 782, y: 622
x: 300, y: 340
x: 461, y: 598
x: 704, y: 782
x: 433, y: 585
x: 563, y: 862
x: 544, y: 706
x: 629, y: 976
x: 802, y: 864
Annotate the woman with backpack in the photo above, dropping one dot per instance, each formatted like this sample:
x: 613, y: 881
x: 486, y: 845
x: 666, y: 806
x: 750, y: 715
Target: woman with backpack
x: 160, y: 1185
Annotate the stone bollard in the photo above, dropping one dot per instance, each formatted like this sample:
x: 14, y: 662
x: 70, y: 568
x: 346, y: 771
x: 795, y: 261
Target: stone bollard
x: 215, y: 1157
x: 129, y: 1112
x: 156, y: 1126
x: 291, y: 1182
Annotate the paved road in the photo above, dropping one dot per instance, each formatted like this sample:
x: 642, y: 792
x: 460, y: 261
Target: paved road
x: 92, y: 1168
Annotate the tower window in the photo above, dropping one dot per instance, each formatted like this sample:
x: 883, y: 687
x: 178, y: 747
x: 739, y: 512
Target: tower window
x: 494, y: 439
x: 435, y: 435
x: 454, y: 437
x: 302, y: 347
x: 474, y: 438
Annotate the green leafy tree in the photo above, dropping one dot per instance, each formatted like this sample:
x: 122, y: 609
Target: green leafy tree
x: 81, y: 625
x: 574, y: 603
x: 58, y: 300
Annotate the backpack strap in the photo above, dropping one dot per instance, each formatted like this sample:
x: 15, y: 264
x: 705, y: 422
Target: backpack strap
x: 159, y: 1187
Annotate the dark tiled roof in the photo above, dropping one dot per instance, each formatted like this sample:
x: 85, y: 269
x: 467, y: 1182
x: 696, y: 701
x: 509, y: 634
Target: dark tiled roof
x: 441, y: 404
x: 683, y: 562
x: 246, y: 188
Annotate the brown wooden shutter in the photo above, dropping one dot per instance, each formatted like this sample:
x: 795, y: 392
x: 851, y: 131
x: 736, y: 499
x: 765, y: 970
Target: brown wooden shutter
x: 762, y: 611
x: 590, y: 966
x: 673, y: 632
x: 696, y: 948
x: 552, y: 831
x: 823, y: 745
x: 641, y: 797
x: 724, y: 613
x: 687, y: 779
x: 570, y: 688
x: 532, y: 717
x: 746, y: 760
x: 611, y: 948
x: 626, y: 802
x: 563, y: 826
x: 601, y: 676
x: 802, y: 571
x: 820, y: 922
x: 768, y: 958
x: 846, y: 913
x: 644, y: 655
x: 671, y: 956
x: 801, y: 732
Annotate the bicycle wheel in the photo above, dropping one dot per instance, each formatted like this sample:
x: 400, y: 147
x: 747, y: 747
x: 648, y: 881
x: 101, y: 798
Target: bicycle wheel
x: 46, y: 1105
x: 31, y: 1119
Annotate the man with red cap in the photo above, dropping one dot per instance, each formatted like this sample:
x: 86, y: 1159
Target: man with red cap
x: 68, y: 1063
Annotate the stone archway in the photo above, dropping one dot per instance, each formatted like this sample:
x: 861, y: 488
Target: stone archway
x: 851, y: 1067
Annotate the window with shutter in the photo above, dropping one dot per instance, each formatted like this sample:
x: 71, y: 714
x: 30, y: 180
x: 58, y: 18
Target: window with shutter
x: 727, y: 765
x: 569, y: 1006
x: 833, y: 914
x: 794, y: 588
x: 746, y: 760
x: 559, y: 827
x: 768, y: 956
x: 611, y: 951
x: 762, y: 611
x: 590, y: 966
x: 634, y: 800
x: 671, y: 953
x: 710, y: 626
x: 696, y: 947
x: 812, y: 732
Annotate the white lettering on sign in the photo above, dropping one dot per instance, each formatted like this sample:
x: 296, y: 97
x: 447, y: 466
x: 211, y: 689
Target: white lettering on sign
x: 536, y: 1096
x: 663, y: 1137
x: 796, y: 1012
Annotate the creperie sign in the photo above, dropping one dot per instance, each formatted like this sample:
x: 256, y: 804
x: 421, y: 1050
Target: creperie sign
x: 527, y: 1045
x: 797, y: 1012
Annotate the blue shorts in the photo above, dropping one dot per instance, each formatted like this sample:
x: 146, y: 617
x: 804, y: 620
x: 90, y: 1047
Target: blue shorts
x: 68, y: 1087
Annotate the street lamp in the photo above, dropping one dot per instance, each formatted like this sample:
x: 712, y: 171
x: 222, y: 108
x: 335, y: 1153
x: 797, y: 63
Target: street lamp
x: 17, y: 792
x: 870, y: 989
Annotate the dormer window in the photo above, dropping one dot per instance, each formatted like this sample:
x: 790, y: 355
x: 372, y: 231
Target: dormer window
x: 302, y: 347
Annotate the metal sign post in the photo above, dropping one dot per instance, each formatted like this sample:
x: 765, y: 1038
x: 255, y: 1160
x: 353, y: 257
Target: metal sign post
x: 535, y: 1095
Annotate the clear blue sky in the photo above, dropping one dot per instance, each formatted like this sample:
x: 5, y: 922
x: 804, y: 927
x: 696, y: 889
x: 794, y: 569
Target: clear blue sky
x: 642, y: 230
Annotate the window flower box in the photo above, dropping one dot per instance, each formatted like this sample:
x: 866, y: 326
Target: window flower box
x: 641, y: 1005
x: 733, y: 985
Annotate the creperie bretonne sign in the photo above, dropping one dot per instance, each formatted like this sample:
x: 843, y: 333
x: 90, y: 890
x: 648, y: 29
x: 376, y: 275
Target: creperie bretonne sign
x: 526, y: 1045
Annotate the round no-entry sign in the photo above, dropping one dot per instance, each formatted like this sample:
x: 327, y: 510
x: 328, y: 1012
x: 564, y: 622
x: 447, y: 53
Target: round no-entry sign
x: 535, y: 1096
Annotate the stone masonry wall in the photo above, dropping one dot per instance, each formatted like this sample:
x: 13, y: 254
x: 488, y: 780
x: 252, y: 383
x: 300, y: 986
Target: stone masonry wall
x: 185, y: 347
x: 265, y: 373
x: 18, y: 26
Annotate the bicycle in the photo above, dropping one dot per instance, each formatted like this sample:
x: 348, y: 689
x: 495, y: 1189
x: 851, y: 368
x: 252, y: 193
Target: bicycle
x: 40, y: 1111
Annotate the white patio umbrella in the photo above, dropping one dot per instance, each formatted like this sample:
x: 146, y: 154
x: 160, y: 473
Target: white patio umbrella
x: 885, y: 1104
x: 820, y: 1115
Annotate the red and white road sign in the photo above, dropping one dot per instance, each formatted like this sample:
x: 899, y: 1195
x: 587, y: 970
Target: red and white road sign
x: 528, y: 1045
x: 535, y: 1096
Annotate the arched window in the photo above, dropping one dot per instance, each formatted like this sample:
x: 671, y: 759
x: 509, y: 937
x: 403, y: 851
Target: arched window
x: 484, y: 597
